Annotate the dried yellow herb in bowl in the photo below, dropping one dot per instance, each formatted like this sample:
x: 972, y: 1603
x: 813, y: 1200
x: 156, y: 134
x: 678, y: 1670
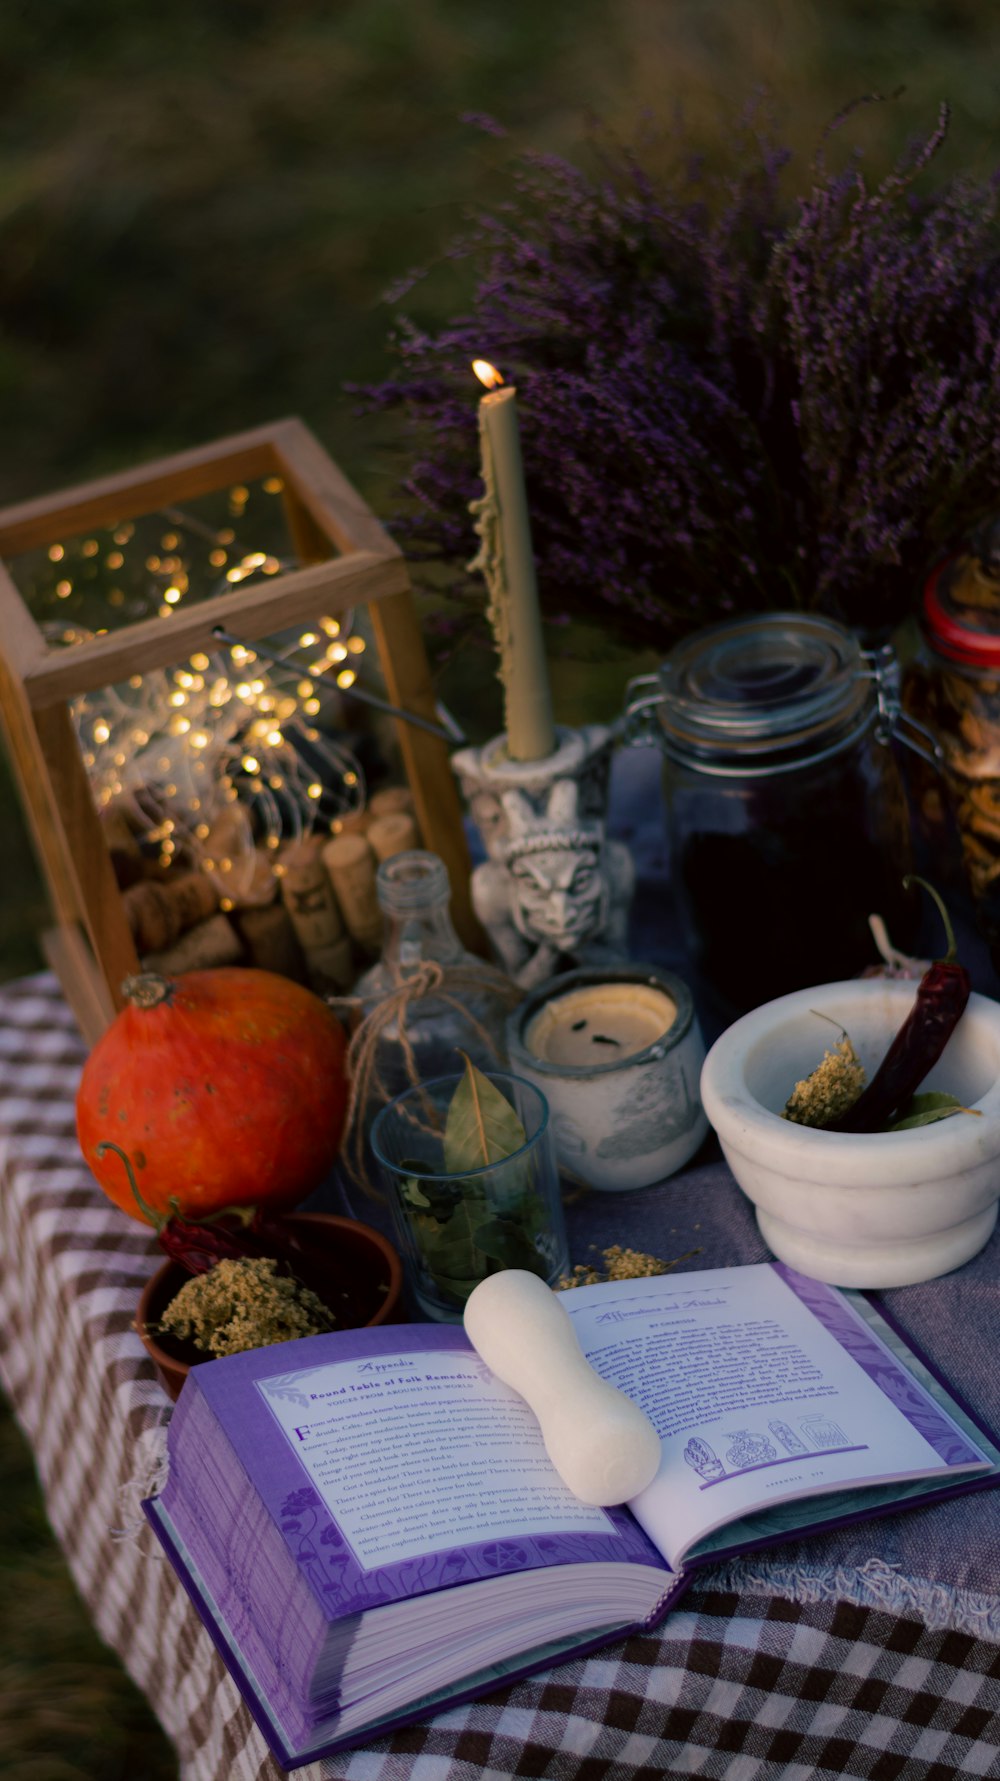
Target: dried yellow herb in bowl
x: 243, y: 1303
x: 830, y: 1090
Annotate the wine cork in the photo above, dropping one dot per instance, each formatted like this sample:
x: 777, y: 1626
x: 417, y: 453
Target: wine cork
x: 118, y: 831
x: 231, y: 832
x: 308, y: 896
x: 241, y: 871
x: 270, y: 940
x: 353, y: 822
x: 254, y: 885
x: 351, y: 865
x: 389, y: 801
x: 602, y: 1445
x: 212, y: 943
x: 331, y: 967
x: 392, y: 834
x: 128, y: 867
x: 159, y: 913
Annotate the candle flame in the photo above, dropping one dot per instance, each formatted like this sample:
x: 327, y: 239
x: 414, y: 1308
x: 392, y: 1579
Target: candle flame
x: 487, y: 373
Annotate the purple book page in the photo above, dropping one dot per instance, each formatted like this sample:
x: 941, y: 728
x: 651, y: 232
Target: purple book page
x: 294, y: 1742
x: 834, y: 1312
x: 395, y: 1464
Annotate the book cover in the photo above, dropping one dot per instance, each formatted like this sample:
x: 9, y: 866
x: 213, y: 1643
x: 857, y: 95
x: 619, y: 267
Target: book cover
x: 369, y: 1524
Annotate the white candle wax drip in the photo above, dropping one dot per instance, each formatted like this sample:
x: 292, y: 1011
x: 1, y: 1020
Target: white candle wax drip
x: 507, y: 562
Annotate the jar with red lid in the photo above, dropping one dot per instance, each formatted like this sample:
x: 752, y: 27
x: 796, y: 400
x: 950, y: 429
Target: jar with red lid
x: 952, y: 688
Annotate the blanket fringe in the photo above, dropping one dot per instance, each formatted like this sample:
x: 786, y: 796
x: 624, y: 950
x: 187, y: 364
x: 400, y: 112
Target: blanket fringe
x: 875, y: 1584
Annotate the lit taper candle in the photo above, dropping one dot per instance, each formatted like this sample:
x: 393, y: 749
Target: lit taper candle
x: 507, y: 562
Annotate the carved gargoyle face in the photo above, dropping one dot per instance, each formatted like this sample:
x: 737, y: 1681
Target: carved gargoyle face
x: 560, y: 895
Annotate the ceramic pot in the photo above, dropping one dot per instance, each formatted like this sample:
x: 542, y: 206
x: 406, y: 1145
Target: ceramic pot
x: 352, y: 1268
x: 859, y: 1209
x: 626, y: 1124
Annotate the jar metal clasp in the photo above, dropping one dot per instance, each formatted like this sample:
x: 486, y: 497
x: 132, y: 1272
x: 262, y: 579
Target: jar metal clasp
x: 638, y: 722
x: 893, y: 723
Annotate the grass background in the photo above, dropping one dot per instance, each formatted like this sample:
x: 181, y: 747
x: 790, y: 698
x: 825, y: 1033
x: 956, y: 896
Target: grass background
x: 201, y: 205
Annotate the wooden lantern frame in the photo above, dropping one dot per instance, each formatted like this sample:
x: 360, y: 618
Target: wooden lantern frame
x: 349, y: 561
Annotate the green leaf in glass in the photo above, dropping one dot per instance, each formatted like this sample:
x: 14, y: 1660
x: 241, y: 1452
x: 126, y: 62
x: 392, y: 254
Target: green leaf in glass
x: 482, y: 1126
x: 509, y: 1245
x: 452, y: 1250
x: 413, y: 1194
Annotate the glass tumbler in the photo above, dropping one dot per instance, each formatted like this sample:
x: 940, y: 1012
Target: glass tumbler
x: 455, y: 1229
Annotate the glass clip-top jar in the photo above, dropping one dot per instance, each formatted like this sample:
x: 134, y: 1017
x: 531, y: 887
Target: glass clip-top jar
x: 786, y: 815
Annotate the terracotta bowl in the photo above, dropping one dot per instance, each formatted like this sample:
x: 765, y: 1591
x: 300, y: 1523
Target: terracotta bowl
x: 352, y: 1268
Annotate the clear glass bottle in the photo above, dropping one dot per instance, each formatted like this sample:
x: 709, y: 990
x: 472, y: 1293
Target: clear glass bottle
x: 786, y: 815
x: 462, y: 1009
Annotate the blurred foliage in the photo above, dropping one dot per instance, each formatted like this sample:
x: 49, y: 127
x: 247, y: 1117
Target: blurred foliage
x: 200, y: 209
x: 67, y: 1710
x: 200, y: 206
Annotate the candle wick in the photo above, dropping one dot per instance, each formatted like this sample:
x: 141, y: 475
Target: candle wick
x: 603, y: 1039
x: 578, y: 1026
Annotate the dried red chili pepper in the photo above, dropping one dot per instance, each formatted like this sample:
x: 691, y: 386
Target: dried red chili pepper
x: 228, y: 1236
x: 942, y: 994
x: 199, y: 1246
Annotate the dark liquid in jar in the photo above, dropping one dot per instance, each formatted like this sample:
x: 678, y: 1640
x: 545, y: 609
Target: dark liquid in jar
x: 776, y: 881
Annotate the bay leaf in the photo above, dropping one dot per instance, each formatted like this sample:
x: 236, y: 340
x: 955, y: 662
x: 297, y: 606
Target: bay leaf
x: 510, y: 1245
x: 928, y: 1108
x: 482, y: 1126
x: 457, y: 1290
x: 450, y: 1249
x: 413, y: 1194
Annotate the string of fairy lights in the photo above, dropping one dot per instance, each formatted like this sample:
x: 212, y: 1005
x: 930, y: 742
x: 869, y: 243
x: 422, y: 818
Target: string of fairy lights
x: 219, y: 760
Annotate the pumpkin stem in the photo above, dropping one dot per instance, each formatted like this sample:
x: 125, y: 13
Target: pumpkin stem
x: 147, y: 990
x: 148, y: 1214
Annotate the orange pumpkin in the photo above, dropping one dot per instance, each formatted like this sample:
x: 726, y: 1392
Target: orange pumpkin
x: 225, y: 1087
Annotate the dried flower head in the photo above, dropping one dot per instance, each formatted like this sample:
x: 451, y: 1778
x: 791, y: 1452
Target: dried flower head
x: 244, y: 1304
x: 831, y: 1089
x: 732, y: 397
x: 619, y: 1264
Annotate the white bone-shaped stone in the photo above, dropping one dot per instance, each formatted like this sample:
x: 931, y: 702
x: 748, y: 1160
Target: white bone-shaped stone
x: 602, y: 1445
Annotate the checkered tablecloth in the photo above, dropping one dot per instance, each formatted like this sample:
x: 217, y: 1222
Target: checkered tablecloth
x: 738, y: 1684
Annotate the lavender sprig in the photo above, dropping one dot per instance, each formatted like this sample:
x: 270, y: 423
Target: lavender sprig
x: 731, y: 399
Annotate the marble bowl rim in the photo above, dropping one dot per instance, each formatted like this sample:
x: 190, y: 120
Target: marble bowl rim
x: 744, y: 1123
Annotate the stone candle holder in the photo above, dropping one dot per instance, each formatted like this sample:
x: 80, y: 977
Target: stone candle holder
x: 554, y: 889
x: 620, y: 1122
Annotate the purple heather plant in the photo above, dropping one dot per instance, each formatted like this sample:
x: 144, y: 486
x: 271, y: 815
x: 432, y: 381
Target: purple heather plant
x: 732, y: 399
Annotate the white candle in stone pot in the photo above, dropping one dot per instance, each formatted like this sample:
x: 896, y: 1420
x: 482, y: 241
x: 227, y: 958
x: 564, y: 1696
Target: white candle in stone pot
x: 602, y: 1023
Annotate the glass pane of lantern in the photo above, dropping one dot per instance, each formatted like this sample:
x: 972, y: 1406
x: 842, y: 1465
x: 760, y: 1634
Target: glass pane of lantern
x: 235, y: 752
x: 153, y: 564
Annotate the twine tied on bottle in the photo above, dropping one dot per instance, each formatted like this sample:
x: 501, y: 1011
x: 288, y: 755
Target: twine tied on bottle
x: 447, y: 983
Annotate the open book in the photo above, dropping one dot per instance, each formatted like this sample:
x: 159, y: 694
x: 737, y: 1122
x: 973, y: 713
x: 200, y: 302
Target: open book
x: 370, y: 1527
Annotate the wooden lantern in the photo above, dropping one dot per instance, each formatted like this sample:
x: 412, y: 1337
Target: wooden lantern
x: 349, y: 561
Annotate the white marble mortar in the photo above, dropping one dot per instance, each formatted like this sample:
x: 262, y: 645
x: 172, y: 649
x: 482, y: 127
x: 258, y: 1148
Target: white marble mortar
x: 858, y: 1209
